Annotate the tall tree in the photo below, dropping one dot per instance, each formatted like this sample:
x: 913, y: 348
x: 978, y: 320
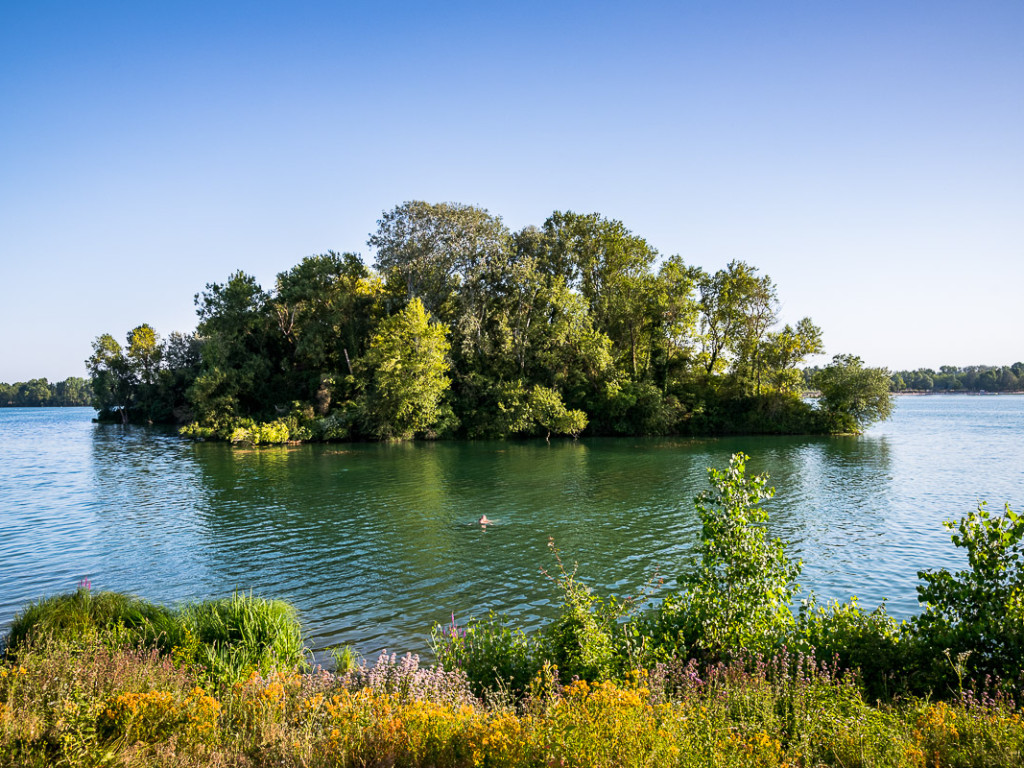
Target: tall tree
x: 783, y: 351
x: 677, y: 315
x: 112, y: 377
x: 611, y: 268
x: 325, y: 315
x: 738, y: 307
x: 241, y: 352
x: 437, y: 249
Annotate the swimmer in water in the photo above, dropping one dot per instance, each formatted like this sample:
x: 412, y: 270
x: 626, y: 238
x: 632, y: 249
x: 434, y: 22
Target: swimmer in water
x: 484, y: 521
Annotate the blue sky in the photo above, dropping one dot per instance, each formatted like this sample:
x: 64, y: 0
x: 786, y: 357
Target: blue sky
x: 868, y: 156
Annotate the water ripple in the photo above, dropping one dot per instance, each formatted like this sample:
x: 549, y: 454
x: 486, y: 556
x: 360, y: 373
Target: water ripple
x: 375, y: 543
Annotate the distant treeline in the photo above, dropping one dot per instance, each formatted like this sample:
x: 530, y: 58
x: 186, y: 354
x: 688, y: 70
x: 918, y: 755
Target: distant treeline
x: 972, y: 378
x: 463, y: 328
x: 73, y: 391
x: 949, y: 378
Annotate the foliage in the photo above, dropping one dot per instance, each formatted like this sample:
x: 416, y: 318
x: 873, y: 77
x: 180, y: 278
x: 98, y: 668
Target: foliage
x: 852, y: 396
x: 228, y: 638
x: 562, y: 329
x: 551, y: 415
x: 582, y: 640
x: 497, y: 657
x: 62, y: 706
x: 249, y: 432
x: 72, y: 391
x: 739, y: 593
x: 405, y: 366
x: 968, y: 378
x: 871, y: 642
x: 977, y: 615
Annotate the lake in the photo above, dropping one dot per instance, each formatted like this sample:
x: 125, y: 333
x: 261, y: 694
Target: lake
x: 375, y: 543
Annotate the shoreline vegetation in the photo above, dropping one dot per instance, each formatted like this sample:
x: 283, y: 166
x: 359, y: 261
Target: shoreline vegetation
x: 465, y: 329
x: 728, y: 671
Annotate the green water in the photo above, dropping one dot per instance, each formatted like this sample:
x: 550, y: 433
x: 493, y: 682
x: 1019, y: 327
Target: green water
x: 375, y: 543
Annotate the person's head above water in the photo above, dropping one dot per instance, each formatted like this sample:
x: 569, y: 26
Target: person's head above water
x: 484, y: 520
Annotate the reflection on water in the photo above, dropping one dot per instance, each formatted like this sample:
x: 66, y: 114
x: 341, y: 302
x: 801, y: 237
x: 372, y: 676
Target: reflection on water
x: 374, y: 543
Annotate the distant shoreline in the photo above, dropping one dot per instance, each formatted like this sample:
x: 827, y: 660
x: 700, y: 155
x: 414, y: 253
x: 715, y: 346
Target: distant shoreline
x: 982, y: 392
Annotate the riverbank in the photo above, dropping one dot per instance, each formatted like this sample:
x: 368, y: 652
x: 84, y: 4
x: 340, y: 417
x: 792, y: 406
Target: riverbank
x: 65, y: 705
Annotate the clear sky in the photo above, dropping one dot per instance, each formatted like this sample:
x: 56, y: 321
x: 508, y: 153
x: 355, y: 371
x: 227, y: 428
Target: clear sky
x: 867, y: 155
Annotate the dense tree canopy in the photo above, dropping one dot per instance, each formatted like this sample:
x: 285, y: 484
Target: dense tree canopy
x: 464, y: 328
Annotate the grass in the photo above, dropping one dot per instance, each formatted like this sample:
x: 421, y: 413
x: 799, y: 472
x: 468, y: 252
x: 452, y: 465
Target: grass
x: 227, y: 639
x: 237, y: 635
x: 86, y: 616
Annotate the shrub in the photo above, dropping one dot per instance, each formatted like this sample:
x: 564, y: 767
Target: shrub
x: 496, y: 657
x: 584, y: 640
x: 977, y: 615
x: 872, y: 642
x: 250, y: 432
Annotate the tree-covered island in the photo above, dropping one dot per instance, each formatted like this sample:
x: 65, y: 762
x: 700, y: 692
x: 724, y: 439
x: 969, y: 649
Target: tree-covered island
x: 464, y: 328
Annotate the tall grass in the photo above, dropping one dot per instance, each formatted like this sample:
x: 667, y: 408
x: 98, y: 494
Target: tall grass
x: 228, y: 638
x: 235, y: 636
x: 86, y: 616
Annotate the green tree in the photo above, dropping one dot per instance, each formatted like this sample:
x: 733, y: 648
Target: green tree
x: 405, y: 368
x: 743, y: 585
x: 551, y: 414
x: 325, y: 315
x: 241, y: 354
x: 111, y: 377
x: 143, y: 353
x: 437, y: 249
x: 678, y: 313
x: 783, y: 351
x: 611, y: 268
x: 73, y: 391
x: 852, y: 396
x: 33, y: 393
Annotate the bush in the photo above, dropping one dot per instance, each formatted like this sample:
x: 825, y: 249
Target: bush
x: 250, y: 432
x: 230, y: 638
x: 872, y: 642
x: 496, y: 657
x: 586, y: 639
x: 740, y: 591
x: 977, y: 615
